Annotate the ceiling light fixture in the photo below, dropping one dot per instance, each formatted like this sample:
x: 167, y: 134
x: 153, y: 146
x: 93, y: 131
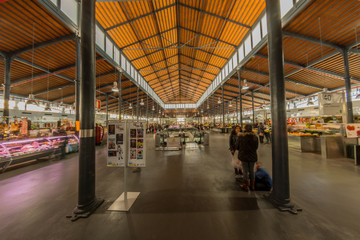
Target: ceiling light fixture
x: 245, y: 85
x: 219, y: 101
x: 130, y: 106
x: 142, y: 102
x: 310, y: 102
x: 115, y: 87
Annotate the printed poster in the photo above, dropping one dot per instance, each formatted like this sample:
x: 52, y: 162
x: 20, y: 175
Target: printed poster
x: 115, y: 144
x: 353, y: 130
x: 136, y: 144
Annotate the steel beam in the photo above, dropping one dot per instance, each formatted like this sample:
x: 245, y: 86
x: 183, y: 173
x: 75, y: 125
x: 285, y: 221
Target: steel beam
x: 6, y: 91
x: 214, y: 15
x: 42, y: 44
x: 349, y: 105
x: 120, y: 95
x: 286, y: 79
x: 139, y: 17
x: 240, y: 98
x: 87, y: 201
x: 311, y: 69
x: 280, y: 194
x: 314, y: 40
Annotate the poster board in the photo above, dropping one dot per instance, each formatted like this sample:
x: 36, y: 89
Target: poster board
x: 116, y: 144
x: 353, y: 130
x: 137, y: 145
x: 126, y: 144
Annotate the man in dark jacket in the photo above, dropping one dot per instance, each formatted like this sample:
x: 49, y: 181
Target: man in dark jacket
x: 247, y: 145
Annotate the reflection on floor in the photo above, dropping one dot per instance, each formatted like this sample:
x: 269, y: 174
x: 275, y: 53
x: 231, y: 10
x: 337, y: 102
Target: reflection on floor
x: 184, y: 195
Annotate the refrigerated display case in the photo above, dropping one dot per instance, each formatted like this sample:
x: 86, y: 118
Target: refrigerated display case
x: 21, y: 151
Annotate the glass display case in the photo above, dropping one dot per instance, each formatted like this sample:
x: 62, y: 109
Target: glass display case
x: 25, y: 150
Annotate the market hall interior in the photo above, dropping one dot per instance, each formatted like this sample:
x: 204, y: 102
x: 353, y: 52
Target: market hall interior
x: 117, y: 115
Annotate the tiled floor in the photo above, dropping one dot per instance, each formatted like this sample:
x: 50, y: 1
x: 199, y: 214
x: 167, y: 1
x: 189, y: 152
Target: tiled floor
x: 187, y: 194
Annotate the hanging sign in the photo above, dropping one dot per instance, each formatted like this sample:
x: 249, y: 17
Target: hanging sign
x: 116, y: 144
x: 331, y: 104
x: 137, y: 145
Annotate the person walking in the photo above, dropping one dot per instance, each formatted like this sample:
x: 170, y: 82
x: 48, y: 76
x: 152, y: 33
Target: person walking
x: 232, y: 147
x: 261, y: 132
x: 267, y: 131
x: 247, y: 145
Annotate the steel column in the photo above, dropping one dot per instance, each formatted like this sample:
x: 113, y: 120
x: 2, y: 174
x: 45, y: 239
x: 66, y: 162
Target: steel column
x: 6, y: 92
x: 349, y: 105
x: 77, y: 82
x: 147, y: 110
x: 253, y: 106
x: 240, y: 98
x: 120, y: 97
x: 137, y: 104
x: 236, y: 111
x: 223, y: 105
x: 107, y: 109
x: 280, y: 194
x: 87, y: 202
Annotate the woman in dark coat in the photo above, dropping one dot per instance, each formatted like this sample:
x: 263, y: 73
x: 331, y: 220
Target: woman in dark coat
x: 247, y: 145
x: 232, y: 147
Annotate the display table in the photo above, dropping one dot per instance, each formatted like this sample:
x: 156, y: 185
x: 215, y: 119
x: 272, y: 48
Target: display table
x: 304, y: 143
x: 332, y: 146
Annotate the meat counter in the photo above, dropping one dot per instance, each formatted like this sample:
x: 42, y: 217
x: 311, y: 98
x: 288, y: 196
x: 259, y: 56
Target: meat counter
x: 21, y: 151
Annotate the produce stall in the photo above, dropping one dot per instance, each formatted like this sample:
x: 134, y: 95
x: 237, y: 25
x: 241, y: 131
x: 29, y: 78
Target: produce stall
x: 307, y: 137
x: 17, y: 152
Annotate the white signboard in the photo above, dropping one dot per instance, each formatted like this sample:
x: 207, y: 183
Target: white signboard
x: 331, y: 104
x: 353, y: 130
x: 137, y: 153
x: 116, y: 144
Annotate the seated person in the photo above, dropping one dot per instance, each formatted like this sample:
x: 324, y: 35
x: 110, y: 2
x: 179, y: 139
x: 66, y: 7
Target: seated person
x: 263, y: 181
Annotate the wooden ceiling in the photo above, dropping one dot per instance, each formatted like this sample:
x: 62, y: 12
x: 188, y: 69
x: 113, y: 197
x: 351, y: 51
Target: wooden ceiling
x: 178, y: 46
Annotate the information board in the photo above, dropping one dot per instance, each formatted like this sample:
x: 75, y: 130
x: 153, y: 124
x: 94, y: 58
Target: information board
x: 331, y: 104
x: 353, y: 130
x: 137, y: 146
x: 116, y: 144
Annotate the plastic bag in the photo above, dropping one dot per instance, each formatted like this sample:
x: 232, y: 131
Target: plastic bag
x: 236, y: 163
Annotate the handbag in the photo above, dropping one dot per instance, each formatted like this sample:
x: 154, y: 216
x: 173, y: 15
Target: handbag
x: 236, y: 163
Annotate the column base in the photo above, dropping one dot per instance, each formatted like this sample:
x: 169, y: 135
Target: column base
x: 84, y: 211
x: 283, y: 206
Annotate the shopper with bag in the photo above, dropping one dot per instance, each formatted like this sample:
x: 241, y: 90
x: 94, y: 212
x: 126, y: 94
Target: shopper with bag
x: 261, y: 132
x: 247, y: 146
x: 232, y: 147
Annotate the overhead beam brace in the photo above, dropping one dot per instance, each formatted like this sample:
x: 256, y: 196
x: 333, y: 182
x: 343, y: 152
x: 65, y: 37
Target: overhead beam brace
x: 214, y: 15
x: 142, y: 16
x: 47, y: 73
x: 42, y: 44
x: 313, y: 40
x: 286, y: 79
x: 313, y: 69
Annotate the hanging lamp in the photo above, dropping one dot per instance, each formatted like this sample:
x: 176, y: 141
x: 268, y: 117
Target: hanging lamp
x: 310, y: 102
x: 245, y: 85
x: 230, y: 104
x: 31, y: 98
x: 130, y: 106
x: 115, y: 87
x: 47, y: 105
x: 142, y: 102
x: 219, y: 101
